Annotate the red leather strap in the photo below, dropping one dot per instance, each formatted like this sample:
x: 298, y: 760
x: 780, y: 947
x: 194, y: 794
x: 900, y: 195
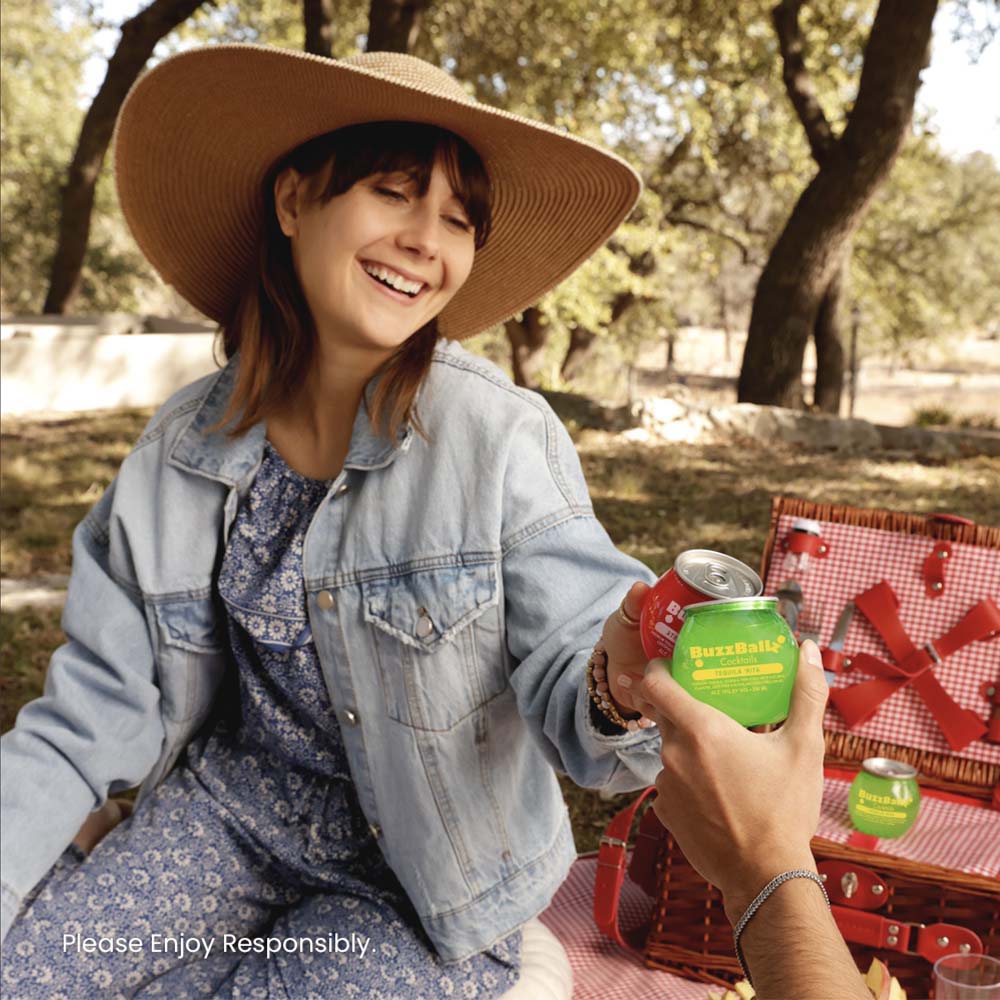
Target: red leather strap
x: 880, y: 605
x: 853, y: 885
x: 863, y: 841
x: 645, y: 851
x: 889, y: 934
x: 933, y: 569
x: 952, y: 519
x: 802, y: 541
x: 835, y: 661
x: 612, y: 856
x: 859, y: 702
x: 991, y: 692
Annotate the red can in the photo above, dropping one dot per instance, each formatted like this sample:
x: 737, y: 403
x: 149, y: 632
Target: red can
x: 697, y: 575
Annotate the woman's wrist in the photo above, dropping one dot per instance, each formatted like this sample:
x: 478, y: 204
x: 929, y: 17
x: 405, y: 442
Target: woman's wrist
x: 598, y: 686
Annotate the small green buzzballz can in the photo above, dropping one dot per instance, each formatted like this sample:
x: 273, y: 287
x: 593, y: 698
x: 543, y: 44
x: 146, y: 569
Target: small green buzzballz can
x: 885, y: 798
x: 739, y: 656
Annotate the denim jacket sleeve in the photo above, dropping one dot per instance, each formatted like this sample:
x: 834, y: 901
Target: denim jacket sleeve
x: 96, y: 729
x: 563, y: 576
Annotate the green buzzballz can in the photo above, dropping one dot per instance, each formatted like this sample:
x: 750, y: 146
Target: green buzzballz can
x: 739, y: 656
x: 885, y: 798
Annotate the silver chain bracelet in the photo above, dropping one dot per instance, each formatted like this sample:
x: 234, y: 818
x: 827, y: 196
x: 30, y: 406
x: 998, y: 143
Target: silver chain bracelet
x: 759, y: 901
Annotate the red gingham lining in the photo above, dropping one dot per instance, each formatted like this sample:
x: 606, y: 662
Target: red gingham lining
x: 964, y: 838
x: 601, y: 969
x: 860, y: 557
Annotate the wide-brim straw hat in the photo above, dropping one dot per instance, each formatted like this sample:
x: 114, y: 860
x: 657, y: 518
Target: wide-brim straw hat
x: 198, y: 134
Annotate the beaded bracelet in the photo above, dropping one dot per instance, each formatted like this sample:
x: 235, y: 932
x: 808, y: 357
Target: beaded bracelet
x: 597, y: 686
x: 759, y: 901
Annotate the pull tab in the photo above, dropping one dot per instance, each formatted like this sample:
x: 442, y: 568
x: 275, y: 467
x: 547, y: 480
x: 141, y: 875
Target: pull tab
x: 934, y: 568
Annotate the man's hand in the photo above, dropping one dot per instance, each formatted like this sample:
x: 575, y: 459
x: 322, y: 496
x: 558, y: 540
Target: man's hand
x: 743, y: 806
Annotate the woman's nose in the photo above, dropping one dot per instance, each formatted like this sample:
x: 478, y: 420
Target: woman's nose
x: 421, y: 235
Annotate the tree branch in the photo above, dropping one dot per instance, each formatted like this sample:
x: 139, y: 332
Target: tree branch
x: 683, y: 220
x: 800, y: 87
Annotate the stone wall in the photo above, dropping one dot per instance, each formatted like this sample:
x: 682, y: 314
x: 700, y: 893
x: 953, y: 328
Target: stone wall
x: 65, y: 364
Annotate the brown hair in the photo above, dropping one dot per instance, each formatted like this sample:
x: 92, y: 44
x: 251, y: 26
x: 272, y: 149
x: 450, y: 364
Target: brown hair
x: 271, y: 325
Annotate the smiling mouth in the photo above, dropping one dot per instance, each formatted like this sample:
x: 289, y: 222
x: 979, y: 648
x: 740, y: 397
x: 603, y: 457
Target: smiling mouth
x: 393, y: 280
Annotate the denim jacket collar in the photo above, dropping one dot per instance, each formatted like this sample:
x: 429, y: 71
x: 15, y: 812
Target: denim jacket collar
x: 212, y: 454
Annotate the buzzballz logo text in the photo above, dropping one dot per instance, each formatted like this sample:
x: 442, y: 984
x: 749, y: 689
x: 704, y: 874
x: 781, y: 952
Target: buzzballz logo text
x: 737, y: 649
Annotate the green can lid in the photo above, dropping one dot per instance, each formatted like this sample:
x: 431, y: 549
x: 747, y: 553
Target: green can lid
x: 885, y: 767
x: 736, y: 604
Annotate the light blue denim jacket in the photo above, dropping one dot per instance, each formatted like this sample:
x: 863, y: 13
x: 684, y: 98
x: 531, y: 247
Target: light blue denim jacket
x: 455, y: 589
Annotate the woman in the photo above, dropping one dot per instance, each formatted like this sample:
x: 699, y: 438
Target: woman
x: 337, y: 611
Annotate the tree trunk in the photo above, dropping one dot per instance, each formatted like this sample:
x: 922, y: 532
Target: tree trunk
x: 828, y: 337
x: 581, y: 340
x: 393, y: 25
x: 852, y: 168
x: 317, y: 16
x: 527, y: 338
x: 139, y: 37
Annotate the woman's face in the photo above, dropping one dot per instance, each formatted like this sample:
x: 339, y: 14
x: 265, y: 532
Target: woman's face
x: 379, y: 261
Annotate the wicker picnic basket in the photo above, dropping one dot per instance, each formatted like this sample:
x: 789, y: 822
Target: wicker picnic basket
x: 907, y: 911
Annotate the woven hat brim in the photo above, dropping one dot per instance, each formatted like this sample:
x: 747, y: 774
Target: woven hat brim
x: 198, y: 133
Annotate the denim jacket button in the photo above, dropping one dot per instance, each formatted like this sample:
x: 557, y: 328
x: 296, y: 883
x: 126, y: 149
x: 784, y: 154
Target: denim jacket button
x: 350, y: 717
x: 424, y: 626
x: 375, y: 830
x: 342, y: 490
x: 325, y: 600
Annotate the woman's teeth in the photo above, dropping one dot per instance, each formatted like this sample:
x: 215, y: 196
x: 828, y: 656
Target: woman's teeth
x: 393, y: 280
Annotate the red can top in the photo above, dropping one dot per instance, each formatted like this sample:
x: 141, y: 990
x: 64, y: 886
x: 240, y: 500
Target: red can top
x: 716, y: 574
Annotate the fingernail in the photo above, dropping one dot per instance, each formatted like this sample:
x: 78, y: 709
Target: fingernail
x: 812, y: 654
x: 625, y: 681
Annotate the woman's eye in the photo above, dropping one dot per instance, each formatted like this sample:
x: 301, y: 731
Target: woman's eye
x: 459, y: 223
x: 391, y: 193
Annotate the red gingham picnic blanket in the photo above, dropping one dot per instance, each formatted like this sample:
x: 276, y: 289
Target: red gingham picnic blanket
x: 601, y: 969
x: 860, y: 557
x: 961, y: 836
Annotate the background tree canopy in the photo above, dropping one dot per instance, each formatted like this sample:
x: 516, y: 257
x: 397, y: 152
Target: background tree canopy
x: 691, y: 93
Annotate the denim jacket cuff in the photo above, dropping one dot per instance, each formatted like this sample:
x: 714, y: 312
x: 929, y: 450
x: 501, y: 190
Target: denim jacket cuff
x: 598, y: 743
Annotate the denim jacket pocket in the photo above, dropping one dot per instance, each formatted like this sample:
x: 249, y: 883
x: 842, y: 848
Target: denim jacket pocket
x: 439, y: 643
x: 190, y: 655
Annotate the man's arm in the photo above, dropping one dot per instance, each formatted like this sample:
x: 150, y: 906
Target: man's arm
x: 793, y: 948
x: 743, y: 807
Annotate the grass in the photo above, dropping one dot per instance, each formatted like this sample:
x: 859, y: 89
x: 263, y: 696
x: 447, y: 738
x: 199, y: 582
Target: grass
x: 52, y: 473
x: 942, y: 416
x: 654, y: 501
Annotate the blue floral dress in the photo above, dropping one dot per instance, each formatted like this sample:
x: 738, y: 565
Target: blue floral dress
x: 251, y: 870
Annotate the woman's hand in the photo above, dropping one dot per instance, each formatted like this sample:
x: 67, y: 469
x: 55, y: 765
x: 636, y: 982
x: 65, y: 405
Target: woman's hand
x: 626, y: 658
x: 742, y: 806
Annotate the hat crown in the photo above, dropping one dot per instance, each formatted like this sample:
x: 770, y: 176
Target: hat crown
x: 411, y: 72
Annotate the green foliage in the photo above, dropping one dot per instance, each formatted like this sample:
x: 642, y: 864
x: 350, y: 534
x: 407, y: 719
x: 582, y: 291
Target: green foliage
x: 42, y: 62
x: 41, y: 66
x: 927, y: 259
x: 691, y: 95
x: 932, y: 416
x: 942, y: 416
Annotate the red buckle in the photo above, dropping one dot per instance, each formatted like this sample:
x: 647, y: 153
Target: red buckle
x: 852, y: 885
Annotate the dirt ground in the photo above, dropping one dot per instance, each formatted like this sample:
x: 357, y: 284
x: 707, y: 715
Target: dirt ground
x: 962, y: 377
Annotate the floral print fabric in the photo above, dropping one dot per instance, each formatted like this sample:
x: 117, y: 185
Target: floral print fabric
x: 257, y: 834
